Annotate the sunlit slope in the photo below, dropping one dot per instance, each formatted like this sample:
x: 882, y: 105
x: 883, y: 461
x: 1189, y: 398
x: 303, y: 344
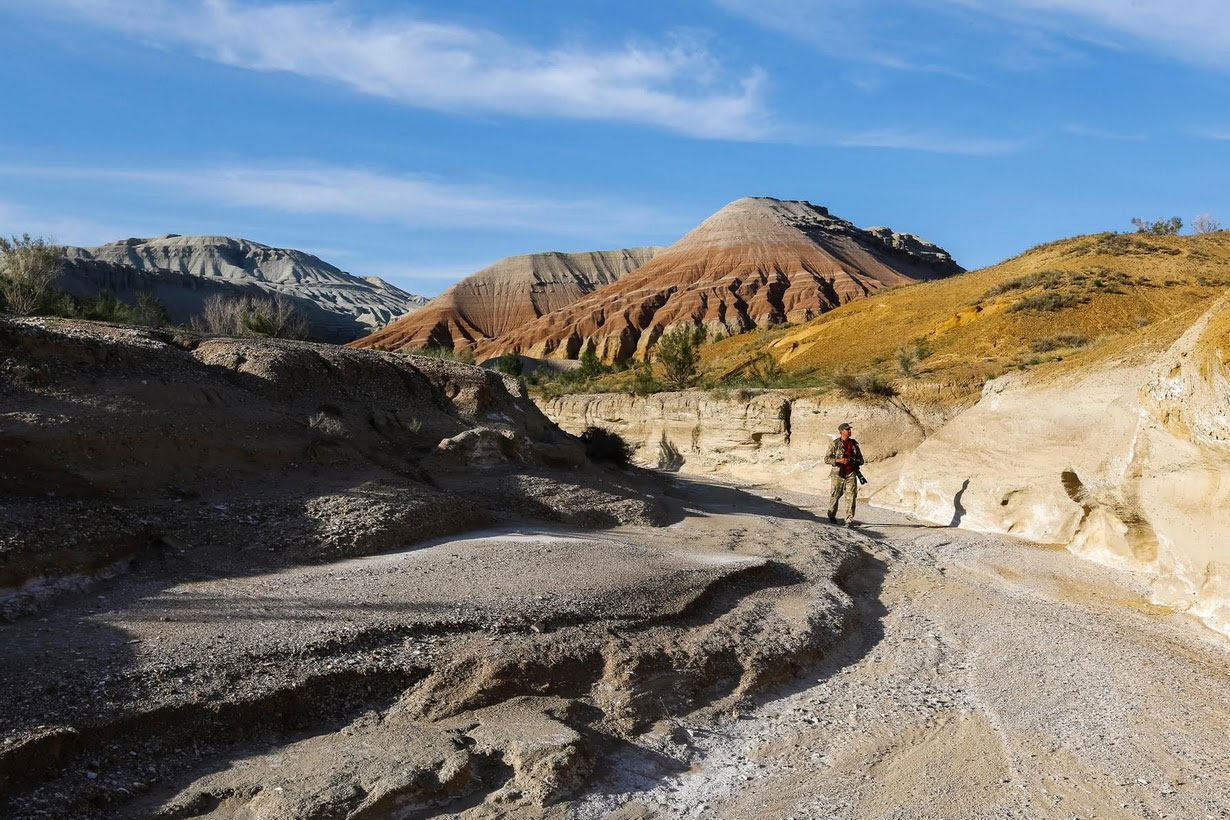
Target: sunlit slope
x: 1069, y: 301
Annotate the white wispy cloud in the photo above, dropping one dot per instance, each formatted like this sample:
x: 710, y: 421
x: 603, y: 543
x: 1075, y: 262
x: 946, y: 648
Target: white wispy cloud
x: 1219, y: 133
x: 408, y: 200
x: 675, y: 82
x: 1081, y: 130
x: 1020, y: 34
x: 1194, y: 31
x: 930, y: 142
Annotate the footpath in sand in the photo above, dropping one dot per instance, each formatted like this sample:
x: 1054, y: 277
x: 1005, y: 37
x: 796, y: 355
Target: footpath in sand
x: 989, y: 678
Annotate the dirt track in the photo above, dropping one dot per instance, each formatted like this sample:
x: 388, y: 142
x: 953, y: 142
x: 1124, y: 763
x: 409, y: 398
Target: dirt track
x: 992, y: 678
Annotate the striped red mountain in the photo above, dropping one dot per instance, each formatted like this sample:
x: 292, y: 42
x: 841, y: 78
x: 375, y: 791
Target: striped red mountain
x: 756, y: 261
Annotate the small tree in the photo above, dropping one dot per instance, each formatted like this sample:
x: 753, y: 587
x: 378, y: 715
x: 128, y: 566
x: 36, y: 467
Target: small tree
x: 1159, y: 227
x: 591, y: 366
x: 905, y: 362
x: 28, y: 270
x: 1204, y: 223
x: 678, y: 355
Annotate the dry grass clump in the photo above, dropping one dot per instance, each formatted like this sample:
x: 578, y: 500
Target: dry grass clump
x: 1041, y: 279
x: 1060, y: 342
x: 1046, y: 302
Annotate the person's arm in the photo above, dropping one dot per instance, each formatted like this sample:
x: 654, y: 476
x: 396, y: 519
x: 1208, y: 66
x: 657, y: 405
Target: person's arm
x: 858, y: 455
x: 831, y: 456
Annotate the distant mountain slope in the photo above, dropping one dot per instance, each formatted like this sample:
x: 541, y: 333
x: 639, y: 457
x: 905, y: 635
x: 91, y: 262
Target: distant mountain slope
x: 339, y: 305
x: 506, y: 295
x: 756, y: 261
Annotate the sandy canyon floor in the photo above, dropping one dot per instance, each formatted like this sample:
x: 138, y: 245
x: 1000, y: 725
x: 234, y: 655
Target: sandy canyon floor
x: 990, y: 678
x: 749, y: 660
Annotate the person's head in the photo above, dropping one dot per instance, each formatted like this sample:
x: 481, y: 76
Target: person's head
x: 845, y: 430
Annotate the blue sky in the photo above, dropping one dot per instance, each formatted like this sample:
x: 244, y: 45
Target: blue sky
x: 421, y: 141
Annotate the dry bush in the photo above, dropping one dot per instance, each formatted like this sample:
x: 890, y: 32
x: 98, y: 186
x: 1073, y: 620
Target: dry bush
x: 861, y: 385
x: 28, y: 271
x: 1205, y: 223
x: 275, y: 317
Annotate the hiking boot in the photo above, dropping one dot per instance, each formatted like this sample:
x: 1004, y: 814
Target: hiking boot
x: 851, y: 524
x: 832, y: 518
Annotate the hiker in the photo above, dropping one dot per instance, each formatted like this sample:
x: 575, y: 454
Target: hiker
x: 846, y: 458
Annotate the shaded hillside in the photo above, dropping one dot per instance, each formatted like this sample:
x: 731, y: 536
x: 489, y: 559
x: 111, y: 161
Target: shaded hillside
x: 757, y: 261
x: 505, y: 296
x: 338, y: 305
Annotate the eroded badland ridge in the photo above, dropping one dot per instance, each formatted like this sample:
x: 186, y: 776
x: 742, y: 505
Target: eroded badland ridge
x: 184, y: 271
x: 512, y: 292
x: 756, y: 261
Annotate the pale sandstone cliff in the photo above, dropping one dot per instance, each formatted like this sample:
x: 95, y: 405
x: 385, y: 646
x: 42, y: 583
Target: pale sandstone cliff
x: 758, y: 260
x: 504, y: 296
x: 763, y: 434
x: 1127, y: 463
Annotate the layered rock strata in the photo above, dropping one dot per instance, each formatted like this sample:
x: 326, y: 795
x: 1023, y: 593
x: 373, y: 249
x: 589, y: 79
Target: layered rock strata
x: 748, y: 434
x: 503, y: 297
x: 756, y: 261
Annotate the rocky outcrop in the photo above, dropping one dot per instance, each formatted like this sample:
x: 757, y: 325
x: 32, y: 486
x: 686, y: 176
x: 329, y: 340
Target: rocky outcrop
x: 104, y: 431
x: 1125, y: 463
x: 253, y: 600
x: 500, y: 298
x: 758, y: 260
x: 184, y: 270
x: 749, y: 434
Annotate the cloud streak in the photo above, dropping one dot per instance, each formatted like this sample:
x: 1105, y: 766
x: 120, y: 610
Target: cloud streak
x: 408, y: 200
x: 674, y: 83
x: 1006, y: 34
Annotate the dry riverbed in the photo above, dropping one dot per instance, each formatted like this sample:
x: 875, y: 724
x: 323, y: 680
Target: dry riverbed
x: 991, y: 678
x: 749, y: 660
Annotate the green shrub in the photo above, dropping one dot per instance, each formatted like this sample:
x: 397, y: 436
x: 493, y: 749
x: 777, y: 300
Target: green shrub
x: 510, y: 364
x: 643, y: 382
x: 606, y: 445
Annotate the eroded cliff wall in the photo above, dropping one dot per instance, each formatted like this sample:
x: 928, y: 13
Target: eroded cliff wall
x: 749, y: 434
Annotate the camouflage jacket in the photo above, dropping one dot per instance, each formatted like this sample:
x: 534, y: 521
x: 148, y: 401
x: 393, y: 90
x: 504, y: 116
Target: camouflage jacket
x: 835, y: 452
